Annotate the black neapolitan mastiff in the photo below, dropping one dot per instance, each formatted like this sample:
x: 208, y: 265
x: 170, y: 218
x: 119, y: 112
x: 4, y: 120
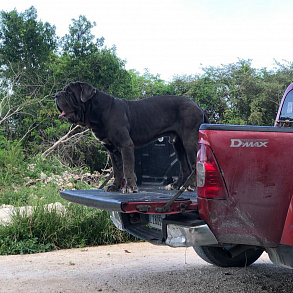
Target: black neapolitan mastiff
x: 122, y: 125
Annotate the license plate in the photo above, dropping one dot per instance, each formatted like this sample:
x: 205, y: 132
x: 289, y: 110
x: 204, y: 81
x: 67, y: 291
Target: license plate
x: 156, y: 221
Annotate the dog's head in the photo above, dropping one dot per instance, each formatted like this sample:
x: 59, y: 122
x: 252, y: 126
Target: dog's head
x: 71, y: 101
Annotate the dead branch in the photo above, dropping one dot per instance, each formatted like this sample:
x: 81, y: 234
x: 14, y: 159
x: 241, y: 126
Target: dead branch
x: 64, y: 139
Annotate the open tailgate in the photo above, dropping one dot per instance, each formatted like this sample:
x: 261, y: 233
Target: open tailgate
x: 146, y: 202
x: 159, y: 216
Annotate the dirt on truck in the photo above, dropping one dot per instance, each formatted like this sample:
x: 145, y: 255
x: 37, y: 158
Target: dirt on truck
x: 242, y: 205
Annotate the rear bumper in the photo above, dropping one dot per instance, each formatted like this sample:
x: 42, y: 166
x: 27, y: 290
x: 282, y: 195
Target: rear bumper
x: 182, y: 230
x: 185, y: 236
x: 281, y: 256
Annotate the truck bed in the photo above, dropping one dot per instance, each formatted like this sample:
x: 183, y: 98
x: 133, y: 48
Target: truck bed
x: 148, y: 200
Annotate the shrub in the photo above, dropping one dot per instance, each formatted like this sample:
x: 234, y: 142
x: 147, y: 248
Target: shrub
x: 45, y: 230
x: 12, y: 162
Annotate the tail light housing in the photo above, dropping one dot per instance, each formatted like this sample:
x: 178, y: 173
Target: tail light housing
x: 210, y: 182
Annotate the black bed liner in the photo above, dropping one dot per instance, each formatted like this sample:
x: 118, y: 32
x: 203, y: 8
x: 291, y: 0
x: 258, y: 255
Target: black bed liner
x: 145, y: 201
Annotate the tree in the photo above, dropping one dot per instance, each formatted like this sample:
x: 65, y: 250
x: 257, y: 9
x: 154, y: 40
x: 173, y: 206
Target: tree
x: 85, y: 58
x: 79, y: 41
x: 204, y: 91
x: 148, y: 85
x: 264, y: 108
x: 26, y: 47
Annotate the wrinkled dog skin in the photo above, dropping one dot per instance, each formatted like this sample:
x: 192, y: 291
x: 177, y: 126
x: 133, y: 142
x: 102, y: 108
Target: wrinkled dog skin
x: 122, y: 125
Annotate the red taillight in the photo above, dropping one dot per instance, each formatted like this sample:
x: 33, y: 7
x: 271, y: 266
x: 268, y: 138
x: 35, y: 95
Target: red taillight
x: 210, y: 183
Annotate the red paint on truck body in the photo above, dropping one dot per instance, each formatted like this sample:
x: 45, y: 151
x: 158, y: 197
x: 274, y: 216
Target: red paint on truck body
x: 256, y: 164
x: 287, y: 236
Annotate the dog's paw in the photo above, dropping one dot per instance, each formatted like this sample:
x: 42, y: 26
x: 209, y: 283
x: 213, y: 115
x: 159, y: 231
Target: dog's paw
x: 129, y: 189
x: 172, y: 187
x: 169, y: 187
x: 191, y: 188
x: 176, y: 187
x: 112, y: 188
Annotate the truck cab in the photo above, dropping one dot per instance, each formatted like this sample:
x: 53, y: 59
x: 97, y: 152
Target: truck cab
x: 285, y: 113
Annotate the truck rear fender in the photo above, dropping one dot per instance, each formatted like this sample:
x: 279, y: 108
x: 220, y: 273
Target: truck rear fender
x: 287, y: 235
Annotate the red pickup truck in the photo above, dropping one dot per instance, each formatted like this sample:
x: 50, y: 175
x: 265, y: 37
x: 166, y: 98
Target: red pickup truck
x: 243, y: 204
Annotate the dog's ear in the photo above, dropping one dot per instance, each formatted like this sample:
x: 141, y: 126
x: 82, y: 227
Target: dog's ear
x: 87, y: 91
x: 81, y: 90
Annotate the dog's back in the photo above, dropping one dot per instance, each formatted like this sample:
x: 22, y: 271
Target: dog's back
x: 158, y: 116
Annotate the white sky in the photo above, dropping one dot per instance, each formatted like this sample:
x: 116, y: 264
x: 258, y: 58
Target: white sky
x: 171, y: 37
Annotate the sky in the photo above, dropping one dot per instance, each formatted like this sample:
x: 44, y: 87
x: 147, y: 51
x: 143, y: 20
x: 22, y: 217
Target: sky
x: 179, y: 37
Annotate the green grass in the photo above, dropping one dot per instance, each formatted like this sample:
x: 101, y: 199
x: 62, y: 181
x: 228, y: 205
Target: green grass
x: 44, y: 230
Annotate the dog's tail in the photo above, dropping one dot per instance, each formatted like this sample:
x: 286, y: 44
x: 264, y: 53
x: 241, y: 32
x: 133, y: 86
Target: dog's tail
x: 205, y: 118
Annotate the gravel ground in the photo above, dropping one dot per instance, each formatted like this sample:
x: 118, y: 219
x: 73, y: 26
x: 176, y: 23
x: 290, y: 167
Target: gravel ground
x: 135, y: 267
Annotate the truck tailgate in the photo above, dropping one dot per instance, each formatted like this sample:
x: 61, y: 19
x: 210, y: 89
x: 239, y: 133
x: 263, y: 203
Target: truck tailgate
x: 145, y: 201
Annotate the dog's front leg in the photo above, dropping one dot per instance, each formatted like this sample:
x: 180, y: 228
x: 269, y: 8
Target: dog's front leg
x: 128, y: 168
x: 116, y: 159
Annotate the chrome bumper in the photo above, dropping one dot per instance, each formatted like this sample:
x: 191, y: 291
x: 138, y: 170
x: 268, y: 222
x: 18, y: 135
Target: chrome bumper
x: 182, y: 236
x: 175, y: 235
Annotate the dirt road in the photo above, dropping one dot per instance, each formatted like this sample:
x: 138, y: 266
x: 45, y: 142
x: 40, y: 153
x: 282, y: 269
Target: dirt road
x: 135, y: 267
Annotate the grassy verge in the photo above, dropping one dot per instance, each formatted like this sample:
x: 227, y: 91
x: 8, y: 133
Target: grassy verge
x: 36, y: 184
x: 45, y: 230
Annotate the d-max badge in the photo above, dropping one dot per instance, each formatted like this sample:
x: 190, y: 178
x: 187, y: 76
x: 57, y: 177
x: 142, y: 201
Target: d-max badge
x: 249, y: 143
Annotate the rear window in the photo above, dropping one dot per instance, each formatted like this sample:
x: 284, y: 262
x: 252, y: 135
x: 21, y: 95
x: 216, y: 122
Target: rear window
x: 287, y: 109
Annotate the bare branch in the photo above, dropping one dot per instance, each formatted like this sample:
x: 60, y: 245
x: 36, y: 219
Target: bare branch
x: 64, y: 138
x: 75, y: 135
x: 29, y: 130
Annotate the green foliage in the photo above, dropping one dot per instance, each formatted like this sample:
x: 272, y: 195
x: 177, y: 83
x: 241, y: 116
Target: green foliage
x: 16, y: 174
x: 12, y: 164
x: 45, y: 230
x: 86, y: 60
x: 204, y: 91
x: 92, y: 153
x: 237, y: 93
x: 148, y: 85
x: 79, y: 40
x: 25, y: 42
x: 39, y: 164
x: 29, y: 245
x: 38, y: 228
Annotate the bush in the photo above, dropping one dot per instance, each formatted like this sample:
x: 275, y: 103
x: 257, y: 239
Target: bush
x: 20, y: 182
x: 39, y: 164
x: 39, y: 229
x: 12, y: 163
x: 45, y: 230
